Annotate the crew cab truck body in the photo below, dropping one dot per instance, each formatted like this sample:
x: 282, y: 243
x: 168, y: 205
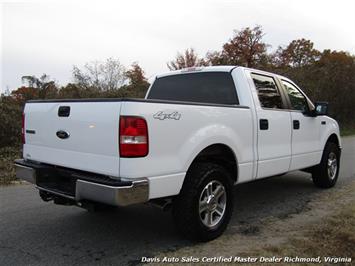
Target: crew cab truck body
x: 198, y: 132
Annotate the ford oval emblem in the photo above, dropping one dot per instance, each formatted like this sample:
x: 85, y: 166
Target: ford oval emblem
x: 62, y: 134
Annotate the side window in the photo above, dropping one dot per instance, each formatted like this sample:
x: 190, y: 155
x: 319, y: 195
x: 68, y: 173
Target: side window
x: 268, y: 93
x: 297, y: 99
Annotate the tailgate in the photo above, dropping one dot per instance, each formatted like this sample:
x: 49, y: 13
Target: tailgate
x: 86, y: 138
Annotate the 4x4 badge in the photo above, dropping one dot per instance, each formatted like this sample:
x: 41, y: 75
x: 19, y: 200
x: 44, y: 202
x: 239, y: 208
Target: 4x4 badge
x: 162, y: 116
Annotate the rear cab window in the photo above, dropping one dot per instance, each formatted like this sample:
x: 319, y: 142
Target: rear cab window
x: 268, y: 93
x: 202, y: 87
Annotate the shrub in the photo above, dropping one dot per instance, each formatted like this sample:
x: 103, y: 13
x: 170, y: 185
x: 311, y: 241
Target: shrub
x: 7, y: 170
x: 10, y: 123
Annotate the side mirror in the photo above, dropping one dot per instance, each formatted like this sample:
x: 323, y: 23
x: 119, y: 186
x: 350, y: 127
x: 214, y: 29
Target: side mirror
x: 321, y: 108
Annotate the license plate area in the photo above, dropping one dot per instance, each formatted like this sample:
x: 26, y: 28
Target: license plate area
x: 56, y: 180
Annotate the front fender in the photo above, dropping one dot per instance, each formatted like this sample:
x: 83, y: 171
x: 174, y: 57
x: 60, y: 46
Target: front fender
x: 332, y: 128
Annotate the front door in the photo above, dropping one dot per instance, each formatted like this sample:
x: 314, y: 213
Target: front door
x: 305, y: 130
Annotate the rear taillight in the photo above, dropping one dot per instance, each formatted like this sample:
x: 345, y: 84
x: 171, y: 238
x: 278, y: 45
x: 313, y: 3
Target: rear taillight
x: 133, y: 136
x: 23, y: 129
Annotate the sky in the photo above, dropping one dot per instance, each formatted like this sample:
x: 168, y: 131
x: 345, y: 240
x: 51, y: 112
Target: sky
x: 50, y: 37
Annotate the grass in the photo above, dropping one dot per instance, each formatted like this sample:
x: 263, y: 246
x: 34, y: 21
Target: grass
x: 347, y: 131
x: 7, y: 170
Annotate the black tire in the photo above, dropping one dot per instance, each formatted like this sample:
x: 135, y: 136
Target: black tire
x: 321, y: 176
x: 186, y: 205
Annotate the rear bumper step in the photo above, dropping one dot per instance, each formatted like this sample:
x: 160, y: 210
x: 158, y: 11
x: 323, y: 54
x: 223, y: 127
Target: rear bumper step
x: 79, y: 185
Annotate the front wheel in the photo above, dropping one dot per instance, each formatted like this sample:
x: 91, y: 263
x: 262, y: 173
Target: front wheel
x: 204, y: 206
x: 325, y: 175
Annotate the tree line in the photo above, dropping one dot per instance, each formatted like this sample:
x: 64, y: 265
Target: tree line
x: 324, y: 75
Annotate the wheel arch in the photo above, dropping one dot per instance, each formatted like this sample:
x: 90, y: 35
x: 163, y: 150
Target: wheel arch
x: 220, y: 154
x: 334, y: 139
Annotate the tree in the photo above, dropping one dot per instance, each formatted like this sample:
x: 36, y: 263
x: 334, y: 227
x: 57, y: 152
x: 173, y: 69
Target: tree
x: 10, y: 126
x: 103, y: 76
x: 216, y: 58
x: 24, y: 94
x: 42, y: 87
x: 188, y: 58
x: 297, y: 53
x: 328, y: 77
x: 32, y: 81
x: 138, y: 84
x: 136, y: 76
x: 72, y: 91
x: 246, y: 48
x: 334, y: 81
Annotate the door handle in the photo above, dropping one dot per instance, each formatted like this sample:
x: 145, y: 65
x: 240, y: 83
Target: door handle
x: 264, y: 124
x: 296, y: 124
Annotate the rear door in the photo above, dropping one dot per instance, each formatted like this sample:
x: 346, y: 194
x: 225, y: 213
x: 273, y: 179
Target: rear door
x: 274, y: 126
x: 80, y: 135
x: 305, y: 129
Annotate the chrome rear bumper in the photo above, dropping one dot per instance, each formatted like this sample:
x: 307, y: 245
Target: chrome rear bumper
x: 25, y: 173
x: 119, y: 193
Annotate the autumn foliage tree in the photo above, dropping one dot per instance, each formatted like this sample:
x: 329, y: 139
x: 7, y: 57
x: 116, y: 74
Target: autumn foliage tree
x: 24, y: 94
x: 35, y: 88
x: 136, y: 76
x: 188, y: 58
x: 137, y: 83
x: 245, y: 48
x: 44, y: 87
x: 297, y: 53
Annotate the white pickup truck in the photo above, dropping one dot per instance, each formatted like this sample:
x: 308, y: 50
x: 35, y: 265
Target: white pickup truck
x: 198, y: 132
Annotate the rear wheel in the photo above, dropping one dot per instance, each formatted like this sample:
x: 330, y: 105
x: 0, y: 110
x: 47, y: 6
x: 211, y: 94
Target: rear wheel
x: 204, y: 206
x: 325, y: 175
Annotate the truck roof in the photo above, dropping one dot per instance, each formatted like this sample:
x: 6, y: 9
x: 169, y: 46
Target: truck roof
x: 213, y: 69
x: 198, y: 69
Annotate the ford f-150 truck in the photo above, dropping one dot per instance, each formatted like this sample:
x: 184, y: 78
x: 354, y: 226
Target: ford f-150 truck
x: 198, y: 132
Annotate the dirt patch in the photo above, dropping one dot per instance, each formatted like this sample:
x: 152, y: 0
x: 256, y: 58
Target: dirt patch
x: 332, y: 236
x: 249, y: 230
